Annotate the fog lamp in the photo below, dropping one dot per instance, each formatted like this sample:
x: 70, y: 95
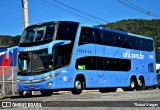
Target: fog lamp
x: 49, y: 83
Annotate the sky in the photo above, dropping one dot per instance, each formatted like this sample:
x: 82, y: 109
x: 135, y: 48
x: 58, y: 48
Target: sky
x: 11, y: 16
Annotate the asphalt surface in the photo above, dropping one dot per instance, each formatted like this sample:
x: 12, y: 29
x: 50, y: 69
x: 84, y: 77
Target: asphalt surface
x: 146, y: 99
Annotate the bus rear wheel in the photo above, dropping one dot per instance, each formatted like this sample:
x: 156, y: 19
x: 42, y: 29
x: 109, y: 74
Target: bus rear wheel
x: 133, y: 84
x: 141, y: 84
x: 77, y: 87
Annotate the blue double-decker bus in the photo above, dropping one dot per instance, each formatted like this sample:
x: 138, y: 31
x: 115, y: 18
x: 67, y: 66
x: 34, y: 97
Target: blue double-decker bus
x: 66, y: 55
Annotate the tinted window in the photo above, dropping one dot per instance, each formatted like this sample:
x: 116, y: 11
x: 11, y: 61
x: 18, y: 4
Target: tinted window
x: 149, y: 45
x: 49, y: 32
x: 100, y: 63
x: 150, y: 67
x: 103, y: 63
x: 98, y: 36
x: 62, y: 54
x: 67, y: 31
x: 108, y: 38
x: 114, y: 64
x: 86, y: 36
x: 126, y: 41
x: 86, y: 63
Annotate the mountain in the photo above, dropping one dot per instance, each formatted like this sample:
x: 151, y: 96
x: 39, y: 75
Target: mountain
x: 149, y: 28
x: 8, y: 41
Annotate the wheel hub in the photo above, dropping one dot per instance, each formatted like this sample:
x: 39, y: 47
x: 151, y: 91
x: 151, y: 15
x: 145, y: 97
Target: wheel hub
x: 132, y: 84
x: 78, y: 85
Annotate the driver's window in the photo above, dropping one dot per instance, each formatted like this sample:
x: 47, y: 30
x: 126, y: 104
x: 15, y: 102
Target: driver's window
x: 86, y: 36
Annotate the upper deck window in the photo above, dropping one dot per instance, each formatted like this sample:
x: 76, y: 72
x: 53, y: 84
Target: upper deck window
x: 67, y: 31
x: 38, y: 33
x: 86, y: 36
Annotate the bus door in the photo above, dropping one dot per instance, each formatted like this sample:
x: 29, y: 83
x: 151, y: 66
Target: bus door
x: 99, y: 52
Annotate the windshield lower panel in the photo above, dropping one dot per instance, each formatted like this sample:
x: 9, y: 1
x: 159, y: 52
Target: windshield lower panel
x: 34, y: 62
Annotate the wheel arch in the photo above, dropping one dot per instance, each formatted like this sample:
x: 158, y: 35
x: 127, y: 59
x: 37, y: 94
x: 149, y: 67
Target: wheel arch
x: 82, y: 77
x: 141, y: 77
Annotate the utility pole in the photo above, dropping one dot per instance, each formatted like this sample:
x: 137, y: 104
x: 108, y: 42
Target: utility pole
x: 25, y: 13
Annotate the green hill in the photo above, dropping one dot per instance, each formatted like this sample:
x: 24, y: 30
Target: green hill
x: 8, y: 41
x: 149, y: 28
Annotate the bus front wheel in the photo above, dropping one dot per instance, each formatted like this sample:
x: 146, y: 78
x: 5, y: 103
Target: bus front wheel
x: 25, y: 93
x: 77, y: 87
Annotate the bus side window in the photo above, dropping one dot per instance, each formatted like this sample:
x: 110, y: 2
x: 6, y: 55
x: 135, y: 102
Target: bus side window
x: 110, y: 38
x: 66, y: 31
x: 150, y: 45
x: 106, y: 37
x: 98, y: 36
x: 100, y: 63
x: 86, y: 63
x: 150, y: 67
x: 86, y: 36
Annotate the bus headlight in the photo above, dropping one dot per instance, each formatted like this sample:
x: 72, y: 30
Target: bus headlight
x: 51, y: 76
x: 47, y: 78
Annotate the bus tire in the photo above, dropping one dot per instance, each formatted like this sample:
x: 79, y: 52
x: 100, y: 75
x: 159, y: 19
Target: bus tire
x: 77, y: 87
x: 133, y: 84
x: 141, y: 84
x: 25, y: 93
x: 46, y: 92
x: 20, y: 93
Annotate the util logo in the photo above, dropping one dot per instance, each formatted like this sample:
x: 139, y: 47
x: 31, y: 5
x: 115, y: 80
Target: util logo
x: 5, y: 65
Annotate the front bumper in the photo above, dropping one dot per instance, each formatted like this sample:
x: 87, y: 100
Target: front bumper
x: 45, y: 85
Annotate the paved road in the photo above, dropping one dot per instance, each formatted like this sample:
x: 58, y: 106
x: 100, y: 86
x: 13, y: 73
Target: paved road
x: 89, y: 99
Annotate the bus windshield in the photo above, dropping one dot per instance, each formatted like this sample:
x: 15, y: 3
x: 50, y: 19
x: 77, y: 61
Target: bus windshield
x: 38, y: 33
x: 33, y: 62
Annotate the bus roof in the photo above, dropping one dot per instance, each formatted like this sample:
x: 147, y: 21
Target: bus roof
x: 125, y: 33
x: 45, y: 23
